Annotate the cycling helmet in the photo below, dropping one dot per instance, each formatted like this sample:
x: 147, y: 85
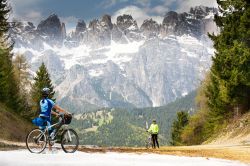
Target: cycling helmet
x: 45, y: 92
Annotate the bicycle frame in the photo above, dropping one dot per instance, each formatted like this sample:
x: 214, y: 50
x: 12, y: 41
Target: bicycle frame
x: 50, y: 126
x: 70, y: 139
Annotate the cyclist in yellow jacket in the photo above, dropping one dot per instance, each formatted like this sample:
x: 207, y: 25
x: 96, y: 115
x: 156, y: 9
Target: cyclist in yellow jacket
x: 154, y: 130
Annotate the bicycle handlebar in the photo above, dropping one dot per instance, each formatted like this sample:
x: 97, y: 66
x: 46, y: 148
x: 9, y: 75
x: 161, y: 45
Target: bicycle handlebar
x: 62, y: 114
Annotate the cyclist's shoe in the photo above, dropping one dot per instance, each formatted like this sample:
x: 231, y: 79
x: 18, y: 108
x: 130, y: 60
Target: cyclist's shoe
x: 52, y: 142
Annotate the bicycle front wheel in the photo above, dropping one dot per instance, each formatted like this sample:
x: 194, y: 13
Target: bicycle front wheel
x: 146, y: 145
x: 69, y: 141
x: 36, y: 141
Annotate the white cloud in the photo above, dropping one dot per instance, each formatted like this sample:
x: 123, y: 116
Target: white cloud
x: 69, y: 19
x: 110, y: 3
x: 24, y: 10
x: 23, y: 4
x: 168, y: 3
x: 159, y: 10
x: 31, y: 15
x: 137, y: 13
x: 144, y: 3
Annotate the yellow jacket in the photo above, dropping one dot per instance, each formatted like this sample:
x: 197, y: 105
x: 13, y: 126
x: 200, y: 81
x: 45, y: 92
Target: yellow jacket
x: 153, y: 129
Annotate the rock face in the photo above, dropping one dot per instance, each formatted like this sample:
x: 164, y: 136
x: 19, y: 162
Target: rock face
x: 63, y: 31
x: 78, y: 35
x: 106, y: 22
x: 118, y: 64
x: 150, y: 28
x: 192, y: 23
x: 126, y: 22
x: 129, y: 27
x: 80, y: 27
x: 200, y: 12
x: 53, y: 29
x: 29, y: 27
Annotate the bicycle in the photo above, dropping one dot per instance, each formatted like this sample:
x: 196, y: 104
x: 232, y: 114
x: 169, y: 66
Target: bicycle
x: 148, y: 142
x: 37, y: 139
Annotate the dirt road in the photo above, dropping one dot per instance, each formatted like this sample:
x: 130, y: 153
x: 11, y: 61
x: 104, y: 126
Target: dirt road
x: 229, y: 152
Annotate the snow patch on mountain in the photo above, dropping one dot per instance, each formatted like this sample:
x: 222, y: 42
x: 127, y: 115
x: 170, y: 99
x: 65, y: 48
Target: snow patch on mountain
x: 95, y: 73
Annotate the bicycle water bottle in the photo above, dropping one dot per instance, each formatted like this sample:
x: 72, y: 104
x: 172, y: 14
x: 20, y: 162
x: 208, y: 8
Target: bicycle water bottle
x: 52, y: 135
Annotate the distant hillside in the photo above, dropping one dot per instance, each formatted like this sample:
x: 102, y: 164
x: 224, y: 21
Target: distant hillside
x: 119, y: 127
x: 13, y: 127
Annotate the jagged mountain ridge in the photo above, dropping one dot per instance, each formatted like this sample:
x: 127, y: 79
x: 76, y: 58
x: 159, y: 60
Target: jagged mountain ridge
x: 119, y: 64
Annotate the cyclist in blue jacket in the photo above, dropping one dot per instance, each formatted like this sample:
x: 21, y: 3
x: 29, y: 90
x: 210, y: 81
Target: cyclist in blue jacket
x: 46, y: 108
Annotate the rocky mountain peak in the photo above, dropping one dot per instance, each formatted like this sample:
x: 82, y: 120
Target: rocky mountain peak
x: 53, y: 17
x: 23, y: 26
x: 63, y: 30
x: 150, y: 27
x: 80, y: 27
x: 170, y: 18
x: 52, y: 28
x: 48, y: 24
x: 191, y: 23
x: 30, y: 26
x: 150, y: 24
x: 94, y: 24
x: 202, y: 11
x: 125, y: 22
x: 106, y: 22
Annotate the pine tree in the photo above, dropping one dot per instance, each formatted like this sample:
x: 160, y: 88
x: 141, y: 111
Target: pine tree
x: 42, y: 80
x: 21, y: 72
x: 177, y: 127
x: 22, y: 76
x: 9, y: 92
x: 230, y: 72
x: 3, y: 76
x: 4, y: 25
x: 3, y: 51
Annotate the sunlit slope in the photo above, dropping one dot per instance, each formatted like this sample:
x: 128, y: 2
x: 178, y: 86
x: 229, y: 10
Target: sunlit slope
x: 237, y: 132
x: 12, y: 126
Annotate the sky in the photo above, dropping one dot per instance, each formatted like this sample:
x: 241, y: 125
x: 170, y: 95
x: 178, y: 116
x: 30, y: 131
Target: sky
x: 70, y: 11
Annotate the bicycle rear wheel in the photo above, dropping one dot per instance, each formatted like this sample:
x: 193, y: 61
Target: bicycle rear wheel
x: 147, y: 145
x: 69, y: 141
x: 36, y: 141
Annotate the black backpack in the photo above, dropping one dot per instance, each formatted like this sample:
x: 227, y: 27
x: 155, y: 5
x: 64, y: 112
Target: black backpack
x: 67, y: 119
